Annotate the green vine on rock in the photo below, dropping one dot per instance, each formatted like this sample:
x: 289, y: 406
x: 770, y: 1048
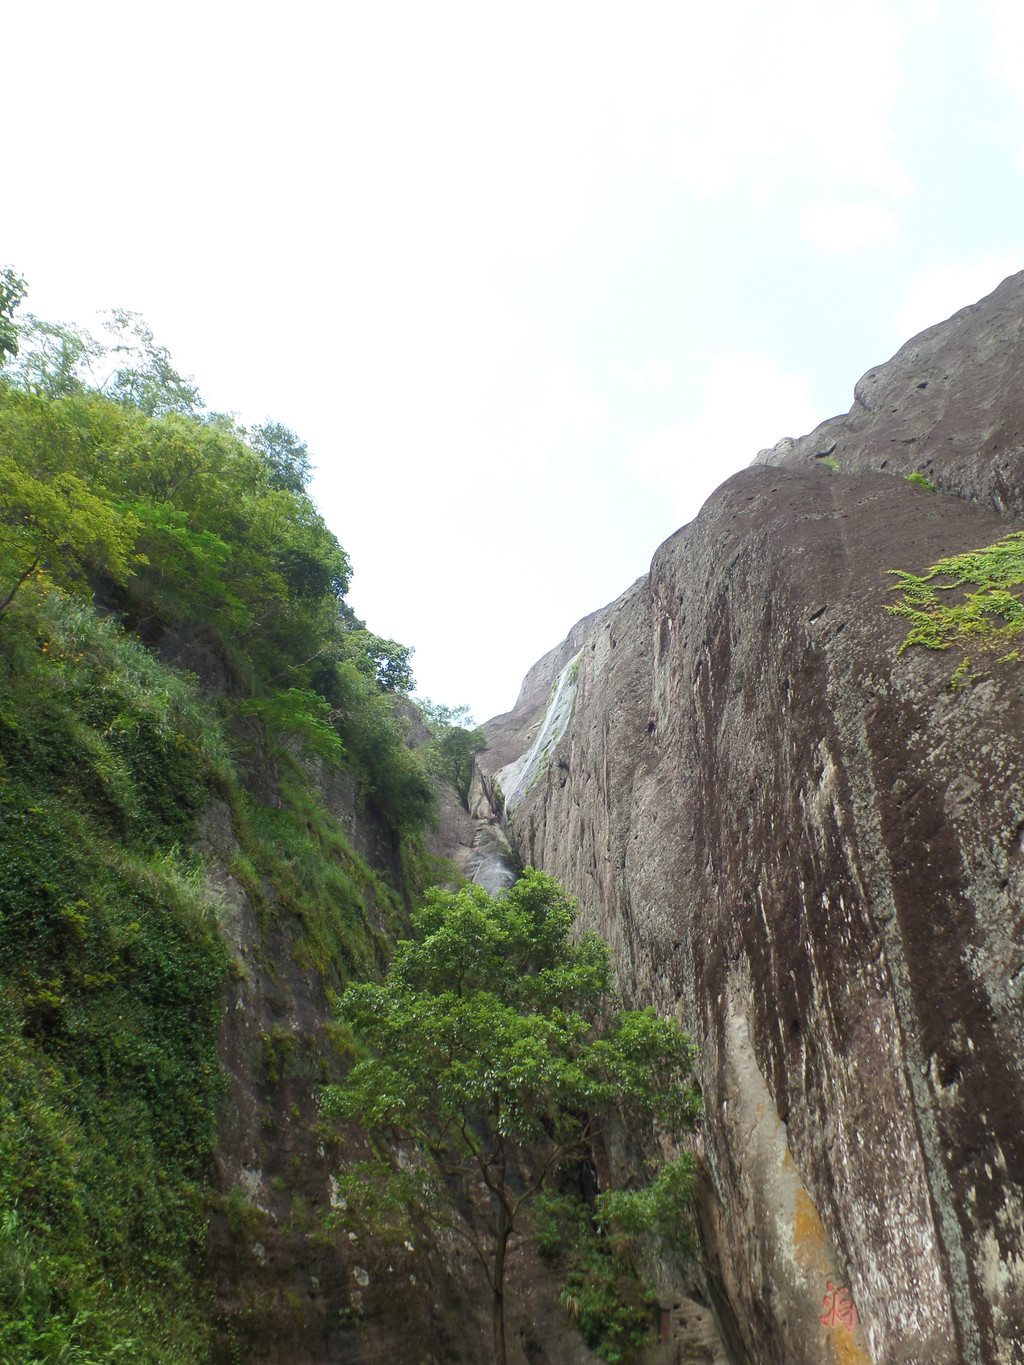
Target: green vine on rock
x: 983, y: 612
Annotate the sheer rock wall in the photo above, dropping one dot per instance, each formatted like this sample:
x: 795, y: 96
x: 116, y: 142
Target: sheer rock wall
x: 813, y: 851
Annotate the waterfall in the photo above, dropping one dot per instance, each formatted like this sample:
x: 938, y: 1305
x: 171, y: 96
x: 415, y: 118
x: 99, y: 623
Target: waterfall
x: 516, y: 779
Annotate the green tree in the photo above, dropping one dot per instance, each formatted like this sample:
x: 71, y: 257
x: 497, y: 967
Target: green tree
x: 54, y: 358
x: 145, y: 377
x: 386, y: 661
x: 57, y: 359
x: 286, y: 455
x: 12, y: 291
x: 498, y: 1047
x: 456, y: 740
x: 51, y: 519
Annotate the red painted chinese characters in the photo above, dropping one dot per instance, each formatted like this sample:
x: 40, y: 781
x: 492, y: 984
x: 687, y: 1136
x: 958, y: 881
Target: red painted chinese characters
x: 839, y: 1309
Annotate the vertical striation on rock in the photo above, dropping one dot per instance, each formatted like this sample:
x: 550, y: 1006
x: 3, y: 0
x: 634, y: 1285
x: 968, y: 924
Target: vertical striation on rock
x: 811, y: 849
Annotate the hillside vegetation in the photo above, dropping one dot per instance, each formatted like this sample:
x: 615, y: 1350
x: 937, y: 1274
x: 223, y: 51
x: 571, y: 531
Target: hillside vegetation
x: 180, y: 671
x: 139, y: 533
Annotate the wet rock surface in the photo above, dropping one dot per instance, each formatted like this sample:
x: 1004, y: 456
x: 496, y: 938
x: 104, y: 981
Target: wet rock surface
x: 811, y: 850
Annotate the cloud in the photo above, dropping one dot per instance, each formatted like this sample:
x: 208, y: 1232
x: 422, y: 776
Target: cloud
x: 944, y: 288
x: 748, y: 402
x: 847, y: 227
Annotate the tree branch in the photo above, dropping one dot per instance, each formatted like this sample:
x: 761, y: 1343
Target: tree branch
x: 10, y: 596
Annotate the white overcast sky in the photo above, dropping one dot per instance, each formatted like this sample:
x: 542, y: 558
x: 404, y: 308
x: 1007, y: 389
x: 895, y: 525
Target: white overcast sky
x: 529, y: 278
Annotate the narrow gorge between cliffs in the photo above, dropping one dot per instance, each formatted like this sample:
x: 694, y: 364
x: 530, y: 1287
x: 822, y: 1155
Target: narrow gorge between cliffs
x: 781, y: 776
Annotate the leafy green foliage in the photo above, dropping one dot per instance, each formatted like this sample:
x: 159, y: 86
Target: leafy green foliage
x: 144, y: 378
x: 199, y: 526
x: 921, y: 480
x: 610, y: 1306
x: 456, y: 741
x: 385, y: 661
x: 613, y: 1313
x: 983, y: 611
x: 54, y: 519
x: 110, y: 992
x: 298, y: 712
x: 440, y: 718
x: 658, y: 1209
x: 594, y: 1245
x: 286, y: 456
x: 111, y: 966
x: 495, y: 1044
x: 56, y: 360
x: 53, y: 359
x: 12, y: 291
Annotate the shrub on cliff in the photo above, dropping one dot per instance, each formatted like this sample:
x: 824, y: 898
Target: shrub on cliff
x: 970, y: 601
x: 454, y: 742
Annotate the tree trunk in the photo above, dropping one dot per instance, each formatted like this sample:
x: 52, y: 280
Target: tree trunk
x: 10, y: 596
x: 501, y: 1243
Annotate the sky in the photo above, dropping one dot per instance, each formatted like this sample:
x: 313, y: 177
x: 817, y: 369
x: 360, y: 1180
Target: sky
x: 530, y: 279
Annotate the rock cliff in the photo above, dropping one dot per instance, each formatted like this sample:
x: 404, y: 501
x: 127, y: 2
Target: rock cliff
x: 811, y: 849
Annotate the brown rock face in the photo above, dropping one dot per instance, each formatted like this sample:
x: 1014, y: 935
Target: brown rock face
x: 812, y: 850
x: 948, y: 405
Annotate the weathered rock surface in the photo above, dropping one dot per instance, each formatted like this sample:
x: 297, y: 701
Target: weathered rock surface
x: 948, y: 405
x: 812, y: 851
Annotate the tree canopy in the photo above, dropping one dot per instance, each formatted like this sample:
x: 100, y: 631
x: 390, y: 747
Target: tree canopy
x: 173, y: 633
x: 114, y: 477
x: 497, y: 1045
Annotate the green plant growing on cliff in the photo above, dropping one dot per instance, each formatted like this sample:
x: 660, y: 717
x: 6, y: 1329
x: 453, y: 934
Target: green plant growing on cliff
x: 497, y: 1047
x: 133, y: 531
x: 593, y: 1245
x: 921, y: 480
x: 970, y: 600
x: 110, y: 991
x: 455, y: 742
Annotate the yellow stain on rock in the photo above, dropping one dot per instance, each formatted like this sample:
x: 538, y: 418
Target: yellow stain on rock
x: 812, y: 1255
x: 808, y: 1234
x: 845, y: 1348
x: 792, y: 1232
